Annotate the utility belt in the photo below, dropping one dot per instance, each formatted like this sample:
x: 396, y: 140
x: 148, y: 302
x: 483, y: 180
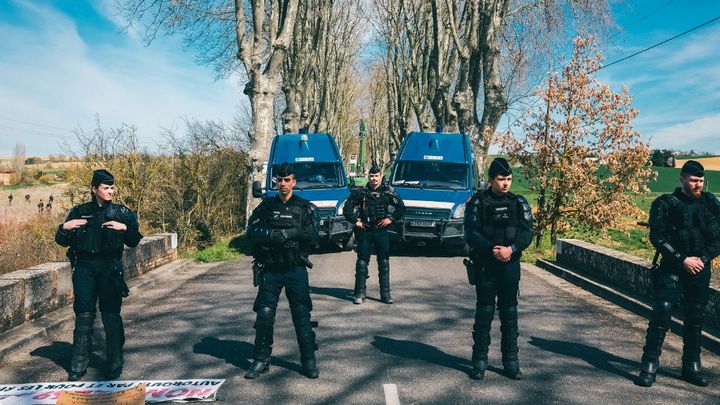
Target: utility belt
x: 101, y: 256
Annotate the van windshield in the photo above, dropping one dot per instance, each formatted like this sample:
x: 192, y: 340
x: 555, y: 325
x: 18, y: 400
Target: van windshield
x: 309, y: 175
x: 452, y: 176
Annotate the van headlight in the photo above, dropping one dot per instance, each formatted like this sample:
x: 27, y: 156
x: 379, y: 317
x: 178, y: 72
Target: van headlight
x: 340, y: 207
x: 459, y: 212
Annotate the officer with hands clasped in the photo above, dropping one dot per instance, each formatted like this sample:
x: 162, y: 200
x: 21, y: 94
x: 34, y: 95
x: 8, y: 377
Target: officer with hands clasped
x: 498, y: 227
x: 282, y: 230
x: 96, y: 233
x: 373, y: 209
x: 685, y: 230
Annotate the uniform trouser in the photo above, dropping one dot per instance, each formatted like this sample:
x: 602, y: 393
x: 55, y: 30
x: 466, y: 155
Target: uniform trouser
x: 668, y: 287
x: 366, y: 239
x: 297, y: 292
x: 501, y: 280
x: 92, y: 283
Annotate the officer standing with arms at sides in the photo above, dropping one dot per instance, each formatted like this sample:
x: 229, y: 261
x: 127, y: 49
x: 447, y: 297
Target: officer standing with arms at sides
x: 96, y: 233
x: 685, y: 230
x: 283, y: 229
x: 498, y: 227
x: 373, y: 209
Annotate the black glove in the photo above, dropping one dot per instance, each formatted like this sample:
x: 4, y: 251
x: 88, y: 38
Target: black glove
x: 278, y: 236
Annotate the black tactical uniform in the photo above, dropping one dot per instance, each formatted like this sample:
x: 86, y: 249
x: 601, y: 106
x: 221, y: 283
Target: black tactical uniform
x: 282, y: 235
x: 371, y: 206
x: 496, y: 220
x: 681, y: 226
x: 95, y: 254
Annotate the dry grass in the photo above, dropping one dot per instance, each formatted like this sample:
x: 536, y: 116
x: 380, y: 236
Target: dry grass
x: 710, y: 163
x: 27, y: 236
x: 28, y: 240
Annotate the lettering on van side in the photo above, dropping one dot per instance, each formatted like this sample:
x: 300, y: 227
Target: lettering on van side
x: 432, y: 157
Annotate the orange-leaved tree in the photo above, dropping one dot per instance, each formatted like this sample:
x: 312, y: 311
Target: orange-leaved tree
x: 580, y: 151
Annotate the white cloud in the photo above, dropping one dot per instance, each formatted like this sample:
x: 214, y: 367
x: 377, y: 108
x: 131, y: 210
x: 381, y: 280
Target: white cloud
x: 702, y: 134
x: 52, y: 76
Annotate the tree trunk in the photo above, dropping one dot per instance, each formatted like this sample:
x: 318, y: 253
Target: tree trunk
x: 261, y: 92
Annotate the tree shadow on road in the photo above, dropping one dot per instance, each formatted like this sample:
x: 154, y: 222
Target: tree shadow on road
x: 421, y: 351
x: 344, y: 294
x: 597, y: 358
x: 236, y: 353
x: 60, y: 353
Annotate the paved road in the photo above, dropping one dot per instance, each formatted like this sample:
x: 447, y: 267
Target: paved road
x: 574, y: 347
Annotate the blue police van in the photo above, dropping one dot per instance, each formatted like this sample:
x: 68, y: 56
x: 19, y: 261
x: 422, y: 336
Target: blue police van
x: 320, y: 177
x: 435, y: 175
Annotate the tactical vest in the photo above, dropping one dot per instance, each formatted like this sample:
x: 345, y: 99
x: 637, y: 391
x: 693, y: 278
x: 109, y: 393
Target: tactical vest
x: 92, y: 238
x: 497, y: 219
x: 375, y: 206
x: 282, y: 217
x: 692, y: 225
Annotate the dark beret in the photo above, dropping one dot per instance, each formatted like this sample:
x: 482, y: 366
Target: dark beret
x: 693, y: 168
x: 499, y: 167
x: 374, y: 168
x: 102, y: 176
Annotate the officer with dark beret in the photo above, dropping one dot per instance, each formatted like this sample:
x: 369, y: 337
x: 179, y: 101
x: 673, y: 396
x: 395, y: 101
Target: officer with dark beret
x: 498, y: 227
x: 282, y: 230
x: 685, y: 230
x: 96, y: 233
x: 373, y: 209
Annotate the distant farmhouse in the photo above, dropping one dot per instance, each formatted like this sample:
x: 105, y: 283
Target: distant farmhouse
x: 6, y: 176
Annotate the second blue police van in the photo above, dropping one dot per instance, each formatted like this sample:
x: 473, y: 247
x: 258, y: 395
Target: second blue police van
x: 320, y: 177
x: 435, y: 174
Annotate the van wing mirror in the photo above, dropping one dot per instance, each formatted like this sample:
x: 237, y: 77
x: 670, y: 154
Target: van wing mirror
x: 257, y: 189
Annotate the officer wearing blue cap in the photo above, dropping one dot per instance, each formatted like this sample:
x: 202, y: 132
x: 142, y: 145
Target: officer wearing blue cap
x: 96, y: 233
x: 373, y: 209
x: 282, y: 230
x: 498, y: 227
x: 685, y: 230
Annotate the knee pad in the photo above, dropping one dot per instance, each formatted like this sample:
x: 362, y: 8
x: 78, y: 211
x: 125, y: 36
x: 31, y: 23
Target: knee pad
x: 662, y: 312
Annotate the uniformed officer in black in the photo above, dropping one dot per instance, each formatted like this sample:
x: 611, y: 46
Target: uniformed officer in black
x: 283, y: 229
x: 373, y: 209
x: 96, y: 233
x: 498, y: 227
x: 685, y: 230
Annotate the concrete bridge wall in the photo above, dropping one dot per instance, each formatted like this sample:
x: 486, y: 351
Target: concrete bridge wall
x: 622, y: 271
x: 33, y: 292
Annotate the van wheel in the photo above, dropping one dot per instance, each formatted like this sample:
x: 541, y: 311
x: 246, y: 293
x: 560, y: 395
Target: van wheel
x: 349, y: 244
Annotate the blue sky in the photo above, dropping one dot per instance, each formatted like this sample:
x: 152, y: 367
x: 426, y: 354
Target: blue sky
x: 63, y: 61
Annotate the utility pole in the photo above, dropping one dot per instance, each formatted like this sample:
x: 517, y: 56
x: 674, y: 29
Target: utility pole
x: 361, y: 157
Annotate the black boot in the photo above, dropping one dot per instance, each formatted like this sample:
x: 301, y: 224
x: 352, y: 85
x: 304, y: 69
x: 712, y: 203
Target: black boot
x: 361, y: 275
x: 306, y: 340
x: 481, y: 340
x: 264, y: 324
x: 692, y: 339
x: 384, y: 273
x: 82, y: 338
x: 258, y: 367
x: 648, y: 369
x: 692, y: 373
x: 508, y: 342
x: 115, y: 340
x: 657, y: 328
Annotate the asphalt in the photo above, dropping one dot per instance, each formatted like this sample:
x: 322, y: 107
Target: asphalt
x: 196, y: 322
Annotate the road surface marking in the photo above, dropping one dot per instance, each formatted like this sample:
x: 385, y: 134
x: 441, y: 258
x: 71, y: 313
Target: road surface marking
x: 391, y: 394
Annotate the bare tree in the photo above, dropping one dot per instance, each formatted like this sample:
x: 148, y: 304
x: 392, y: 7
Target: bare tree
x: 18, y: 161
x: 247, y: 35
x: 482, y: 55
